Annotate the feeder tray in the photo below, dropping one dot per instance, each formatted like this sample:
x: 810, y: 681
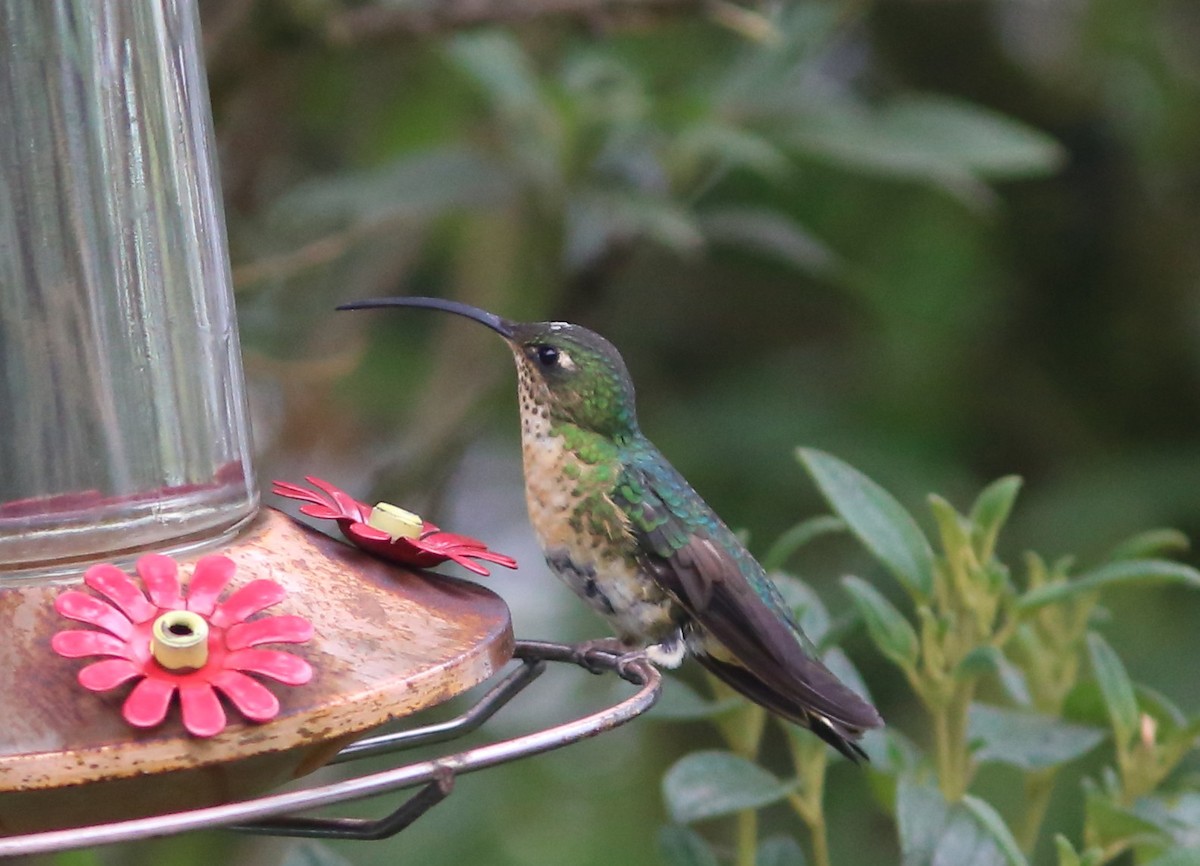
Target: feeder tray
x: 387, y: 643
x: 276, y: 814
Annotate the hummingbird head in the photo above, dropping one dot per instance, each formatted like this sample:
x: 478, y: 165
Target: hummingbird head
x: 566, y: 371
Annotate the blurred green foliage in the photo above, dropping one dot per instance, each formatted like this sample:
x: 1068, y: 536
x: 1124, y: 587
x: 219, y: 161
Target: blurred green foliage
x: 977, y: 625
x: 946, y: 241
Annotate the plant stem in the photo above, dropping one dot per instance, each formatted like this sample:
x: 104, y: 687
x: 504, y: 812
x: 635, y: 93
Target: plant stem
x: 747, y: 837
x: 742, y: 731
x: 941, y: 745
x: 1039, y: 785
x: 820, y: 843
x: 811, y: 762
x: 950, y: 743
x: 814, y: 815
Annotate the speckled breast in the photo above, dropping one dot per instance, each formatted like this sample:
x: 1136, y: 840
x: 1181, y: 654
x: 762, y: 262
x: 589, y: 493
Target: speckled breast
x: 584, y: 536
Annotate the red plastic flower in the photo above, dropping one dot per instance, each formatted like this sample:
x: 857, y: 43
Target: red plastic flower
x: 131, y: 643
x: 429, y: 547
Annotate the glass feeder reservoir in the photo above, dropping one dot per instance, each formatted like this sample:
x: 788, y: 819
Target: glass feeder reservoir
x: 124, y: 422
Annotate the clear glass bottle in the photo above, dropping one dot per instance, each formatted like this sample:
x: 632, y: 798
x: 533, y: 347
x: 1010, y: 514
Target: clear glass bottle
x: 123, y: 422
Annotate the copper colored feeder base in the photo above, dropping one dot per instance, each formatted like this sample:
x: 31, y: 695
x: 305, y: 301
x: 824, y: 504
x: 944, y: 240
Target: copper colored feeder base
x: 388, y: 642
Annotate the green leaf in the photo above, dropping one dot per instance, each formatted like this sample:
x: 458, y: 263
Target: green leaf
x: 921, y: 816
x: 954, y: 530
x: 1110, y: 823
x: 1185, y: 737
x: 987, y: 659
x: 499, y: 66
x: 846, y: 623
x: 888, y: 628
x: 977, y: 663
x: 1067, y: 855
x: 1125, y: 571
x: 935, y: 834
x: 681, y: 703
x: 798, y: 536
x: 892, y: 753
x: 1178, y: 814
x: 1012, y: 678
x: 964, y: 841
x: 947, y: 142
x: 1029, y: 741
x: 769, y: 232
x: 709, y: 784
x: 751, y: 87
x: 417, y: 186
x: 605, y: 91
x: 876, y: 518
x: 1162, y: 709
x: 848, y: 137
x: 721, y: 143
x: 990, y: 513
x: 779, y: 851
x: 1150, y: 544
x: 805, y: 604
x: 995, y: 827
x: 531, y: 138
x: 1178, y: 857
x: 984, y: 142
x: 1084, y: 705
x: 683, y: 846
x: 1115, y: 686
x: 312, y: 853
x: 597, y: 219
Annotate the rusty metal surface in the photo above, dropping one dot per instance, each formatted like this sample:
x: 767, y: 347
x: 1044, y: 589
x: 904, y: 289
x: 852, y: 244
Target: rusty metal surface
x: 439, y: 772
x: 388, y: 642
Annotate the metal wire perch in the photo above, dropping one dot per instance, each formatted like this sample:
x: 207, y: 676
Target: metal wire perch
x: 276, y: 814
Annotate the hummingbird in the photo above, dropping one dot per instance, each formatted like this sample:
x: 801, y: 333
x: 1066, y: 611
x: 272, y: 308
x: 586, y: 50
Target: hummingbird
x: 624, y: 530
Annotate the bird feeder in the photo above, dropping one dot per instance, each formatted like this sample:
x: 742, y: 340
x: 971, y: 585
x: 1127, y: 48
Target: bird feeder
x: 128, y: 499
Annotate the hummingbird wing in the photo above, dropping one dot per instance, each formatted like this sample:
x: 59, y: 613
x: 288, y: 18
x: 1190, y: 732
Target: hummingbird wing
x: 749, y: 637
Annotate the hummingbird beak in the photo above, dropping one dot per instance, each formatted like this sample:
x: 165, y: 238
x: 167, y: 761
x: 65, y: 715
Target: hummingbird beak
x: 503, y: 327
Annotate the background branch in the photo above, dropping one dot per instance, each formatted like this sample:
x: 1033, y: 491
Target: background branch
x: 423, y: 18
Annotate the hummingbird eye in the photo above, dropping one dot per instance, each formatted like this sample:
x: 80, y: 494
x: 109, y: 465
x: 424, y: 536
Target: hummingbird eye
x: 547, y: 356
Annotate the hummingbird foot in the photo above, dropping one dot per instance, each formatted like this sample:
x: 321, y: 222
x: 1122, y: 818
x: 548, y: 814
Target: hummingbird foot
x: 586, y: 653
x: 669, y: 653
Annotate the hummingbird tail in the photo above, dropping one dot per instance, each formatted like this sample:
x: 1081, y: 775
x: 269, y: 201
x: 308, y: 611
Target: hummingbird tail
x: 837, y: 734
